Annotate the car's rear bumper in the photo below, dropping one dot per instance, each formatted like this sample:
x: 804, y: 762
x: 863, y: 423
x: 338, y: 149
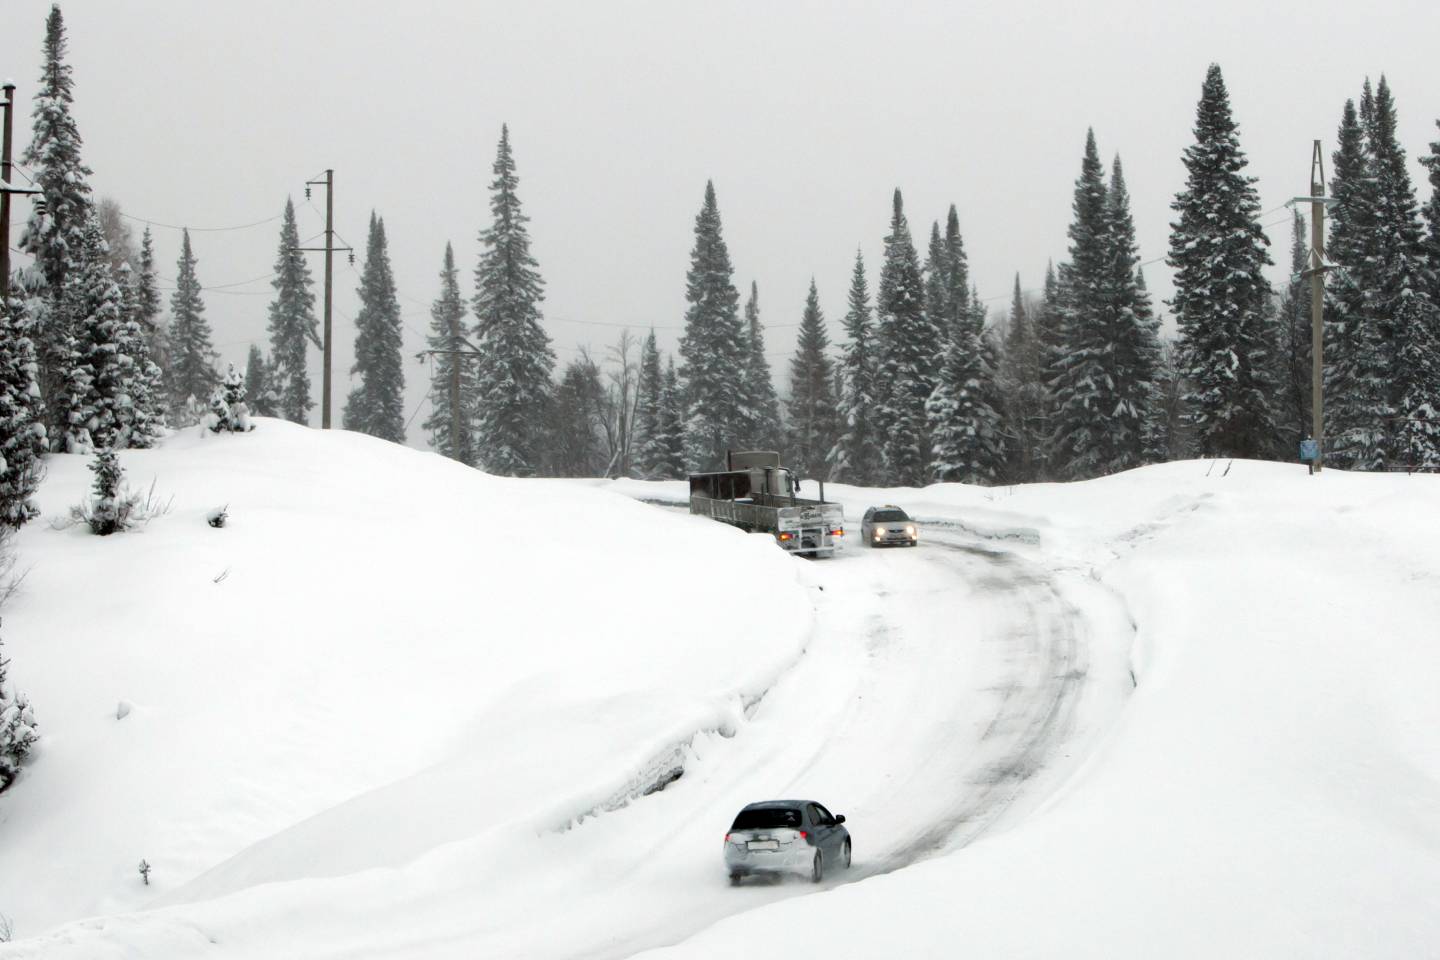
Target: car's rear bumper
x: 768, y: 861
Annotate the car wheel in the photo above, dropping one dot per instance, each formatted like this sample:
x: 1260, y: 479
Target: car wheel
x: 735, y: 879
x: 846, y: 852
x: 817, y: 868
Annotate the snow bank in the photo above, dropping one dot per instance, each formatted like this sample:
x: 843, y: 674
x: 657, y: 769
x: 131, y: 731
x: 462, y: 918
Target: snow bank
x: 1273, y: 788
x: 380, y: 652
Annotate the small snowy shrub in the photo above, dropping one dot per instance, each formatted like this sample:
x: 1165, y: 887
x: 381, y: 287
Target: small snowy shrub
x: 228, y: 409
x: 145, y: 872
x: 114, y: 508
x: 17, y: 730
x: 217, y: 517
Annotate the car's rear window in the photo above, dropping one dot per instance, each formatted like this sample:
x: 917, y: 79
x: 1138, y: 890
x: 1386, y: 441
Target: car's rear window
x: 767, y: 817
x: 890, y: 516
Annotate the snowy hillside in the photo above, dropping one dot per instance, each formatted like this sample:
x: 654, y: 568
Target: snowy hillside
x: 398, y: 708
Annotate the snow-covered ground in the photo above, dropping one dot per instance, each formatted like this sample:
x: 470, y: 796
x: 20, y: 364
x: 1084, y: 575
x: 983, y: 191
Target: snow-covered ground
x: 398, y: 708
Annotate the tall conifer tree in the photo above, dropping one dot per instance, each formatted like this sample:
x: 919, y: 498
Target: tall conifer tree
x: 512, y: 375
x: 649, y: 444
x: 377, y: 405
x: 966, y: 442
x: 55, y: 237
x: 858, y: 457
x: 293, y: 324
x: 1023, y: 387
x: 141, y: 413
x: 1401, y: 303
x: 713, y: 347
x: 813, y: 425
x: 1217, y: 250
x: 93, y: 401
x: 452, y: 407
x: 1355, y: 410
x: 192, y: 354
x: 23, y: 439
x: 260, y: 376
x: 760, y: 400
x: 669, y: 461
x: 908, y: 344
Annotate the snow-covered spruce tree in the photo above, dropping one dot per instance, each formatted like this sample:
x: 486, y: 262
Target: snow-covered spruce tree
x: 1079, y: 375
x: 1133, y: 331
x: 959, y: 298
x: 192, y: 356
x: 53, y: 237
x: 452, y: 382
x: 293, y: 324
x: 576, y: 448
x: 858, y: 458
x: 112, y: 509
x: 145, y: 299
x: 1401, y: 302
x: 229, y: 411
x: 1217, y: 250
x: 1047, y: 321
x: 376, y: 405
x: 759, y: 399
x: 1294, y: 330
x: 937, y: 282
x: 813, y: 424
x: 142, y: 417
x: 1432, y: 213
x: 22, y: 425
x: 966, y: 445
x: 670, y: 427
x: 649, y: 450
x: 260, y: 379
x: 1023, y: 389
x: 512, y: 375
x: 908, y: 343
x: 17, y: 727
x: 713, y: 349
x: 92, y: 402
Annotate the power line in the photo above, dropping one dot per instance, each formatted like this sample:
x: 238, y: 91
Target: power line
x: 172, y: 226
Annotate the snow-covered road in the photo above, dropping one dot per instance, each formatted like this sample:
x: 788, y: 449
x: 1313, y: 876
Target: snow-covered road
x: 939, y: 693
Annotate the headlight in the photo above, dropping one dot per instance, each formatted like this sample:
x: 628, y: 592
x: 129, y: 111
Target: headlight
x: 879, y: 531
x: 910, y: 530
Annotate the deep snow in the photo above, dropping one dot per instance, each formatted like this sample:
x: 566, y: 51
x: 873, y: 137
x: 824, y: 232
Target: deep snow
x: 1188, y: 710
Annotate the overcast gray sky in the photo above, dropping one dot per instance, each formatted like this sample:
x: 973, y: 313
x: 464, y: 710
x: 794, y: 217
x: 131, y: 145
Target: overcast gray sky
x: 805, y: 114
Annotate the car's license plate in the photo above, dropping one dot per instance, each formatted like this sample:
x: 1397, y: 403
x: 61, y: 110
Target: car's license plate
x: 764, y: 845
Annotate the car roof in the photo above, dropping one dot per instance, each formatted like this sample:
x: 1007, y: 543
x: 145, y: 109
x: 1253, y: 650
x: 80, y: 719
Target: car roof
x: 773, y: 804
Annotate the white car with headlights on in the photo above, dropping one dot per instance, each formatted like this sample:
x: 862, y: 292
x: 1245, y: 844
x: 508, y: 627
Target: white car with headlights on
x: 889, y: 526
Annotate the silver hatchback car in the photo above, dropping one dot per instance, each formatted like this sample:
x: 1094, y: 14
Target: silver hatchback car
x: 785, y: 836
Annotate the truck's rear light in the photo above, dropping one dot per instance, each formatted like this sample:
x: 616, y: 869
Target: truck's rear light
x: 837, y: 533
x: 787, y: 536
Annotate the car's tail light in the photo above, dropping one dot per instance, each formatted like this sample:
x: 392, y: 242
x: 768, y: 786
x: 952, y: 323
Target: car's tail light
x: 727, y: 838
x: 803, y: 834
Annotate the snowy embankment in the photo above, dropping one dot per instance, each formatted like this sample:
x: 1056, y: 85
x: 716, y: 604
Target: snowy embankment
x: 1185, y: 711
x: 1273, y: 786
x: 421, y: 651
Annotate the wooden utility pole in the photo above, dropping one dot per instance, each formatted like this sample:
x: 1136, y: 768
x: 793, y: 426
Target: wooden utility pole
x: 472, y: 353
x: 329, y: 250
x: 1316, y: 272
x: 6, y: 189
